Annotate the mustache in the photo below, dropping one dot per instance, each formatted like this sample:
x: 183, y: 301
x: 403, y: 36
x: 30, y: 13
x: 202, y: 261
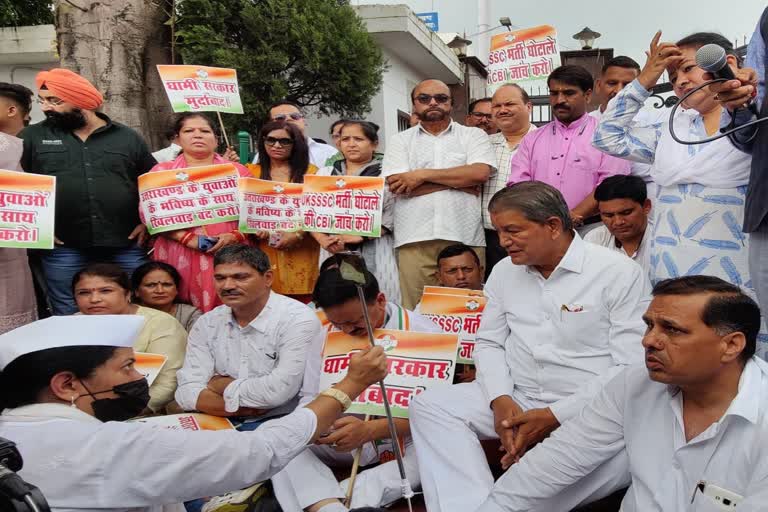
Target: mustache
x: 227, y: 293
x: 66, y: 120
x: 563, y: 106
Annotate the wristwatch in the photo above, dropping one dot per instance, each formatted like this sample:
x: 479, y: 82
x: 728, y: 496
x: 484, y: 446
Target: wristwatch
x: 339, y: 396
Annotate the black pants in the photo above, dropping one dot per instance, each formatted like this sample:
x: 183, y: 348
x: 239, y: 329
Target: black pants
x: 494, y: 252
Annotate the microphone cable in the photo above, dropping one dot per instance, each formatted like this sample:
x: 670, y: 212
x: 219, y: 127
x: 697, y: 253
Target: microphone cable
x: 728, y: 131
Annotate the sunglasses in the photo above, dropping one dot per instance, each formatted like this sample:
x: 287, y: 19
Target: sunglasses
x: 272, y: 141
x: 425, y: 99
x: 481, y: 115
x: 296, y: 116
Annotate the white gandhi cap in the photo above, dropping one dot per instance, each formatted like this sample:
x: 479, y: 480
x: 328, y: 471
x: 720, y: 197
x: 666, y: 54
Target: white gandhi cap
x: 69, y: 331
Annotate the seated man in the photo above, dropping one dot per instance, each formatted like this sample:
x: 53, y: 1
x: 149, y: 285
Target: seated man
x: 245, y: 359
x: 307, y: 483
x: 562, y: 318
x: 458, y: 266
x: 624, y: 208
x: 693, y: 422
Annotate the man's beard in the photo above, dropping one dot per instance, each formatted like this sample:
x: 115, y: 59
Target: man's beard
x: 66, y: 121
x: 424, y: 116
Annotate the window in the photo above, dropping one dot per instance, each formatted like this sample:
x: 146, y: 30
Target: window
x: 403, y: 120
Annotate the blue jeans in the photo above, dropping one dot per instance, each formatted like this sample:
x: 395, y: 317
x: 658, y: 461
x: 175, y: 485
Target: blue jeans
x: 62, y: 263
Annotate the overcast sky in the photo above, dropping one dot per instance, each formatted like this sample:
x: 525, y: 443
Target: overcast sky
x: 626, y: 26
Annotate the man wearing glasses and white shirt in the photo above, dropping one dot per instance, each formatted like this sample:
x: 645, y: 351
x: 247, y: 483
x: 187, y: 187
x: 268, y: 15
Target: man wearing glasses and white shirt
x: 290, y: 112
x: 436, y: 170
x: 693, y: 421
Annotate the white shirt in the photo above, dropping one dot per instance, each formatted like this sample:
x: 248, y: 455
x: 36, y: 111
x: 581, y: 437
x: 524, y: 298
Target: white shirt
x: 395, y: 319
x: 448, y: 214
x: 529, y: 343
x: 645, y: 418
x: 602, y: 236
x: 498, y: 179
x: 266, y: 358
x: 319, y: 153
x: 81, y: 464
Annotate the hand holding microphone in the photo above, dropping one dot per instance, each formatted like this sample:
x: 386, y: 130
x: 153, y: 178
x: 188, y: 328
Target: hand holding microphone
x: 741, y: 86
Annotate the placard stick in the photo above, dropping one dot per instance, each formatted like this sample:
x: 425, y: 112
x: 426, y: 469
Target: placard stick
x: 353, y: 475
x: 223, y: 130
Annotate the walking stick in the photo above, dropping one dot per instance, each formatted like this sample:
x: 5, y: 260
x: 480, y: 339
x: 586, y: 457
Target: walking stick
x: 353, y: 475
x: 352, y: 268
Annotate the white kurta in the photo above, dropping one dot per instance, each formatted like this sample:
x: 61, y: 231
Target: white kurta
x: 643, y: 418
x: 81, y: 464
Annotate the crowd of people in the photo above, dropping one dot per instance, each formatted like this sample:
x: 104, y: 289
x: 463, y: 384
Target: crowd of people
x: 599, y: 242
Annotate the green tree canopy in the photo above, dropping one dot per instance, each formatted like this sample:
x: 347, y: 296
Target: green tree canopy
x: 20, y: 13
x: 315, y: 53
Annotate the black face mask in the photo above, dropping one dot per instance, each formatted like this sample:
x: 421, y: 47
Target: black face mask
x: 132, y: 398
x: 65, y: 121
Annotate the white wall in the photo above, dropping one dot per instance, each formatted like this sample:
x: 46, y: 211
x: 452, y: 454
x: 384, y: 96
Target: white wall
x: 24, y: 74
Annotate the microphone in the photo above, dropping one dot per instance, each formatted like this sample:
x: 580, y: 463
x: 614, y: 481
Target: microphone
x: 712, y: 58
x: 16, y: 494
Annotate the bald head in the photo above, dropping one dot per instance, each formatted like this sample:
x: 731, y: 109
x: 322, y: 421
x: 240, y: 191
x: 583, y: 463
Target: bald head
x: 432, y: 101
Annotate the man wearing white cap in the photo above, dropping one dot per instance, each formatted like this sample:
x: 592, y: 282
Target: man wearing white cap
x: 68, y: 381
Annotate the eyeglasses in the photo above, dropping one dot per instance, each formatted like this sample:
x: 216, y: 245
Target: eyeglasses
x: 52, y: 101
x: 272, y: 141
x: 295, y: 116
x: 425, y: 99
x: 481, y: 115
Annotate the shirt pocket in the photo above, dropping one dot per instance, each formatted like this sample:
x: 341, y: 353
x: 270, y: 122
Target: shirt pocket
x: 117, y: 162
x: 583, y: 328
x: 266, y: 358
x: 453, y: 159
x: 51, y: 160
x: 584, y: 162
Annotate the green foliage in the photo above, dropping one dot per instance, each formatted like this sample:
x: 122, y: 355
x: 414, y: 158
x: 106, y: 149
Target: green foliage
x: 312, y: 52
x: 20, y: 13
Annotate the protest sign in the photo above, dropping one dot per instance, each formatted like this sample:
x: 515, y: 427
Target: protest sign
x: 189, y: 421
x: 188, y: 197
x: 461, y: 292
x: 343, y: 205
x: 27, y: 204
x: 201, y: 88
x: 149, y: 365
x: 525, y: 57
x: 269, y: 205
x: 456, y: 314
x: 415, y: 360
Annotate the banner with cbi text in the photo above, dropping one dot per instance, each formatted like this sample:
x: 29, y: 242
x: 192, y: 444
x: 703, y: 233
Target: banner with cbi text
x: 188, y: 197
x: 457, y: 311
x: 201, y: 88
x: 343, y: 205
x: 27, y: 205
x: 415, y: 360
x: 525, y: 57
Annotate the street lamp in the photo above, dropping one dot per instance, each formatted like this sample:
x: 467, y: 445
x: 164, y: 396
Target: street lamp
x: 587, y: 37
x: 506, y: 22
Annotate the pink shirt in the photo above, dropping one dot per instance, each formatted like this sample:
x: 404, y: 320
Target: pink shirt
x: 563, y: 157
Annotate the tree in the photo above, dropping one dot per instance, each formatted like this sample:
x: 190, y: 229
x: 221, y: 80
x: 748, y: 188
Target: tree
x: 316, y: 53
x: 116, y: 44
x: 29, y: 12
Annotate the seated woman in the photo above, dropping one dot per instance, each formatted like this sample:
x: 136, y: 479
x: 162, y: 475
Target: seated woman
x: 358, y: 141
x: 104, y: 289
x: 185, y: 249
x: 284, y: 156
x: 156, y: 285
